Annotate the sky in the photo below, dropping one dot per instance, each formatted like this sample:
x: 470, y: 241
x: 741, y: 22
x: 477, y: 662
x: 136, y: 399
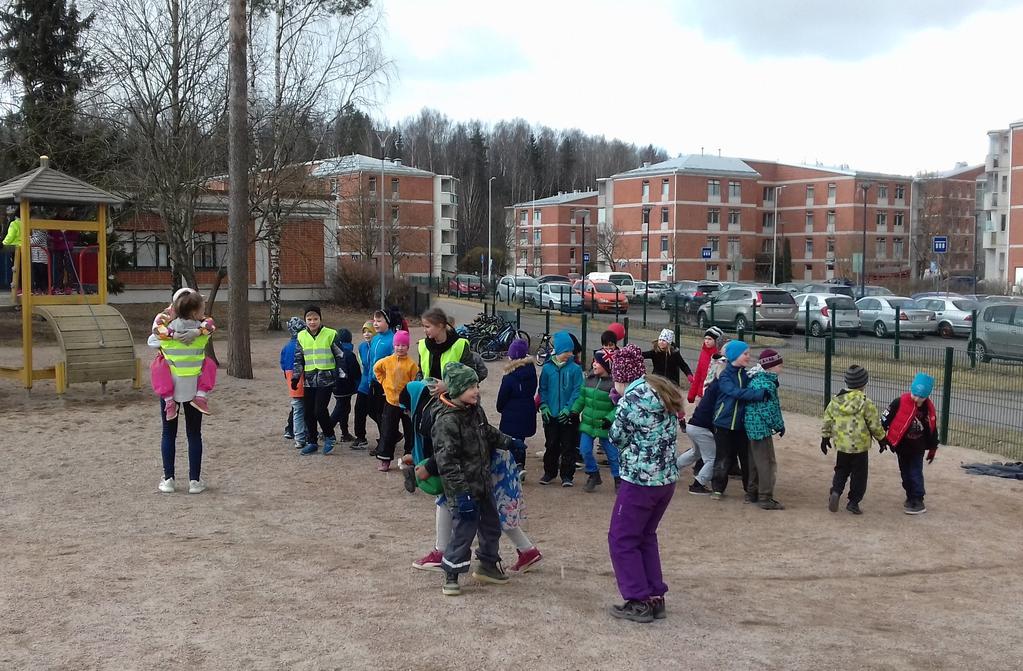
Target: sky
x: 898, y: 86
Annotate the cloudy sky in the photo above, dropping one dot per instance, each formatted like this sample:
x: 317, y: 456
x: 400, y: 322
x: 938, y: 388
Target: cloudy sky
x: 897, y: 86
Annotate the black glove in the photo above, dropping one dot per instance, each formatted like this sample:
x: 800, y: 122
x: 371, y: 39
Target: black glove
x: 606, y: 424
x: 825, y: 444
x: 518, y: 450
x: 766, y: 396
x: 295, y: 379
x: 884, y: 445
x: 781, y: 432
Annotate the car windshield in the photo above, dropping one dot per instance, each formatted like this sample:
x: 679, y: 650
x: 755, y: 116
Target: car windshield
x: 777, y: 298
x: 620, y: 280
x: 966, y: 305
x: 905, y: 304
x: 840, y: 303
x: 605, y: 287
x: 558, y: 287
x: 467, y: 278
x: 526, y: 282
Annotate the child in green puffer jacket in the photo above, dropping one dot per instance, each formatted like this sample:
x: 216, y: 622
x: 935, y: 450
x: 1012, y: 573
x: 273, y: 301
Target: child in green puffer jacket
x: 596, y: 412
x: 762, y: 420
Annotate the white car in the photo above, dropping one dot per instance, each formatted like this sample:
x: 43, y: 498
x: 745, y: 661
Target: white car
x: 559, y: 296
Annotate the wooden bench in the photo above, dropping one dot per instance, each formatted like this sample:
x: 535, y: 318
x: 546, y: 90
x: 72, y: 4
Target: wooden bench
x: 95, y: 342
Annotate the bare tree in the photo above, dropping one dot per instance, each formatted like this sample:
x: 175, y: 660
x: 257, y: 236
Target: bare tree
x: 608, y: 241
x: 240, y: 356
x: 358, y: 230
x: 937, y: 213
x: 164, y: 89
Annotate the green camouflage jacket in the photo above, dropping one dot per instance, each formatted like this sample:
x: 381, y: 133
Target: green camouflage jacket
x: 850, y: 420
x: 463, y: 443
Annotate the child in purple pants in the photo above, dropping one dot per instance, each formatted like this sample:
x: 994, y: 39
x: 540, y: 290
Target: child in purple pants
x: 645, y: 430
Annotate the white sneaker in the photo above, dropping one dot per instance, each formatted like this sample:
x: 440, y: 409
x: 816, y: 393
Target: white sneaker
x: 166, y: 485
x: 196, y: 486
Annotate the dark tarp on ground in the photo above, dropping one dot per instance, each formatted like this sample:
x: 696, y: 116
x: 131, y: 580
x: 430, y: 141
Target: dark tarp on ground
x: 1012, y: 469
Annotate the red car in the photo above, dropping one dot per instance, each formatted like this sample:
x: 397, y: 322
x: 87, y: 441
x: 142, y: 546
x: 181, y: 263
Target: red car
x: 601, y: 296
x: 465, y: 285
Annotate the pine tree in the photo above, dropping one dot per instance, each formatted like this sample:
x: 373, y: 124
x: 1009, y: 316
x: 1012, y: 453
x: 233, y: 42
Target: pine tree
x: 42, y: 46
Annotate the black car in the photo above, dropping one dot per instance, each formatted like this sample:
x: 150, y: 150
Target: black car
x: 691, y: 295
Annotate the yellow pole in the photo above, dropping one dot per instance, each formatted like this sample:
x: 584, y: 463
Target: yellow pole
x: 26, y: 293
x: 101, y: 262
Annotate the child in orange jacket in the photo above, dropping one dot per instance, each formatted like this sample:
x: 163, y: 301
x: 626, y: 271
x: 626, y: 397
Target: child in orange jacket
x: 394, y: 372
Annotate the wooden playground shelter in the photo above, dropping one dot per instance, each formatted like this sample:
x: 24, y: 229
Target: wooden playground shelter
x: 95, y: 342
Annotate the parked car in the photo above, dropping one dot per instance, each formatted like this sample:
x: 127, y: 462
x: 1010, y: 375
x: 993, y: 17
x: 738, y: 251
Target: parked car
x: 624, y: 281
x: 878, y: 315
x: 873, y: 290
x: 840, y: 289
x: 559, y: 296
x: 954, y: 315
x: 602, y: 296
x: 775, y: 309
x: 935, y: 294
x: 465, y: 285
x: 691, y: 294
x: 825, y: 308
x: 544, y: 279
x: 1000, y: 331
x: 791, y: 287
x: 512, y: 288
x: 650, y: 291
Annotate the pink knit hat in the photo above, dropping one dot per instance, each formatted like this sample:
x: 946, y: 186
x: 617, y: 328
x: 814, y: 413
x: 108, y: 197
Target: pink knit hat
x: 401, y: 338
x: 628, y: 364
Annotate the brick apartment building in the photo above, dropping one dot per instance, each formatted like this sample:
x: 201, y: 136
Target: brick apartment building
x: 552, y: 235
x: 420, y: 213
x: 945, y: 203
x: 1001, y: 211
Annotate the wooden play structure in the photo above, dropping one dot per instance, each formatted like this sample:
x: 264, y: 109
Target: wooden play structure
x: 95, y: 342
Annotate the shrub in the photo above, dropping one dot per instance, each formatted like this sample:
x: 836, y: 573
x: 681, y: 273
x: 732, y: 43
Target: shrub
x: 356, y: 285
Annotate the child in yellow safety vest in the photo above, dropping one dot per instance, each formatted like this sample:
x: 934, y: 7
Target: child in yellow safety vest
x: 172, y: 325
x: 318, y: 365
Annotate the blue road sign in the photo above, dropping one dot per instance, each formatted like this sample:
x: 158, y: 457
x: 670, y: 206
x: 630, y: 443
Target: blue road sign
x: 705, y: 252
x: 940, y: 244
x: 586, y: 257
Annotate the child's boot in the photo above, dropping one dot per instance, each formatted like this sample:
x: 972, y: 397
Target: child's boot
x: 618, y: 483
x: 592, y: 480
x: 328, y: 445
x: 854, y: 508
x: 310, y: 448
x: 492, y: 573
x: 451, y: 586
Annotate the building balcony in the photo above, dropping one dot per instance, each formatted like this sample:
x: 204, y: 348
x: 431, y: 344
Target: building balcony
x: 715, y: 227
x: 882, y: 228
x: 882, y: 201
x: 447, y: 198
x: 447, y: 249
x: 734, y: 227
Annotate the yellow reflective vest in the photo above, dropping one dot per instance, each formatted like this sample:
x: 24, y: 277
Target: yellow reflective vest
x: 317, y: 351
x: 453, y: 353
x: 185, y: 360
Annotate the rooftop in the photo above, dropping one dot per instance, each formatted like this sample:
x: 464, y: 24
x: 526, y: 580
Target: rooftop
x: 44, y: 184
x: 703, y: 164
x: 340, y: 165
x: 559, y: 199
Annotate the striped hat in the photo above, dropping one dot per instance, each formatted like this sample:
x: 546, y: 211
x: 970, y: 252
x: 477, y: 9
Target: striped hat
x: 856, y: 377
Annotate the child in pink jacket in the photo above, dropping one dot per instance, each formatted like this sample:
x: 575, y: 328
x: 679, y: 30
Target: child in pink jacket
x: 160, y: 374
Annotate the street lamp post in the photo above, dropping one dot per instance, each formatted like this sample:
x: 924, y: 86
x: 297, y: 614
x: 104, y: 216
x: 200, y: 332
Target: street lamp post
x: 864, y: 187
x: 490, y: 232
x: 384, y: 139
x: 774, y: 245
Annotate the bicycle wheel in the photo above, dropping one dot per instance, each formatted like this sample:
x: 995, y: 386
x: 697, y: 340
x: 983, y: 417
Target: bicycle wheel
x: 544, y: 351
x: 524, y: 336
x: 491, y: 351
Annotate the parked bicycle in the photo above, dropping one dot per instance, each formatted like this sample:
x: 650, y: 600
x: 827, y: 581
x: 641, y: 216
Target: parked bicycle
x: 544, y: 349
x: 496, y: 347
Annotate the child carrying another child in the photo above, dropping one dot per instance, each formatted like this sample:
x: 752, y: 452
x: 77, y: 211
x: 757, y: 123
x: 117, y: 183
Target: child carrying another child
x: 463, y: 444
x: 763, y: 420
x: 596, y: 412
x: 394, y: 372
x: 561, y: 380
x: 183, y: 322
x: 912, y: 431
x: 645, y: 430
x: 295, y: 430
x: 850, y: 420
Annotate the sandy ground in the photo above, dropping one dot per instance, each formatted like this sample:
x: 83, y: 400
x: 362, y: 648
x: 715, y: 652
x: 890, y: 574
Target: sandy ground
x: 304, y: 562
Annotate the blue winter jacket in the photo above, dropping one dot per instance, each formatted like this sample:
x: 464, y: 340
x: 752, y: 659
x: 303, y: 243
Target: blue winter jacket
x: 560, y: 386
x: 288, y: 354
x: 348, y: 385
x: 703, y: 416
x: 380, y: 346
x: 516, y: 400
x: 367, y: 370
x: 733, y: 393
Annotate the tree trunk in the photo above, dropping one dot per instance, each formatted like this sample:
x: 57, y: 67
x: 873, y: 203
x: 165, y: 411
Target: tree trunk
x: 210, y: 300
x: 240, y: 357
x: 273, y: 247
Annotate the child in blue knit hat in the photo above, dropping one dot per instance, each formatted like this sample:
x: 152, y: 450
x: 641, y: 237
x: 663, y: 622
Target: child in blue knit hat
x: 913, y: 430
x: 561, y: 381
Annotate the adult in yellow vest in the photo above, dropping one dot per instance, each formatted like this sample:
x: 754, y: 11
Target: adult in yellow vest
x: 441, y: 346
x: 318, y: 361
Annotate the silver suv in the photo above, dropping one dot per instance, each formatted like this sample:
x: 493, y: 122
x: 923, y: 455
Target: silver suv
x: 1000, y: 331
x: 825, y: 308
x: 775, y: 309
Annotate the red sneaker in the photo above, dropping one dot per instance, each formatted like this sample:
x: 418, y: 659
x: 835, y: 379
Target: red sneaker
x: 384, y: 466
x: 527, y: 561
x: 431, y: 562
x: 171, y: 411
x: 201, y: 404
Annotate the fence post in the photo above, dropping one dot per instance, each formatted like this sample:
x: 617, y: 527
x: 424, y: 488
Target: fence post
x: 971, y: 346
x: 593, y: 301
x: 678, y: 335
x: 582, y: 341
x: 831, y: 321
x: 946, y: 389
x: 547, y: 321
x: 617, y: 299
x: 898, y: 317
x: 753, y: 332
x: 625, y: 322
x: 741, y: 335
x: 806, y: 328
x: 676, y: 306
x: 518, y: 319
x: 712, y: 322
x: 828, y: 346
x: 415, y: 302
x: 645, y: 297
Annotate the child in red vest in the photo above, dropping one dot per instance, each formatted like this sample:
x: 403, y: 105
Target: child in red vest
x: 912, y: 431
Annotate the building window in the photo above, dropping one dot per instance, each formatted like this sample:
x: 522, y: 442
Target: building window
x: 536, y: 217
x: 809, y: 246
x: 809, y: 193
x: 523, y: 216
x: 897, y: 248
x: 900, y: 191
x: 1003, y: 223
x: 734, y: 249
x: 831, y: 190
x: 831, y: 220
x: 646, y: 190
x: 735, y: 190
x: 1005, y: 183
x: 882, y: 191
x: 899, y: 219
x: 769, y: 192
x: 714, y: 244
x: 571, y: 254
x: 733, y: 217
x: 394, y: 214
x: 372, y: 184
x: 882, y: 219
x: 209, y: 250
x: 664, y: 189
x: 394, y: 187
x: 664, y: 215
x: 882, y: 248
x: 644, y: 245
x: 768, y: 219
x: 536, y: 237
x: 714, y: 217
x: 664, y: 244
x: 714, y: 188
x: 646, y: 216
x: 145, y: 250
x: 831, y: 247
x: 809, y: 221
x: 765, y: 245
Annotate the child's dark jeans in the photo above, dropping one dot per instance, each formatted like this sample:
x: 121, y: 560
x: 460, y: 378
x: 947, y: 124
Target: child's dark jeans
x: 911, y: 465
x: 852, y: 466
